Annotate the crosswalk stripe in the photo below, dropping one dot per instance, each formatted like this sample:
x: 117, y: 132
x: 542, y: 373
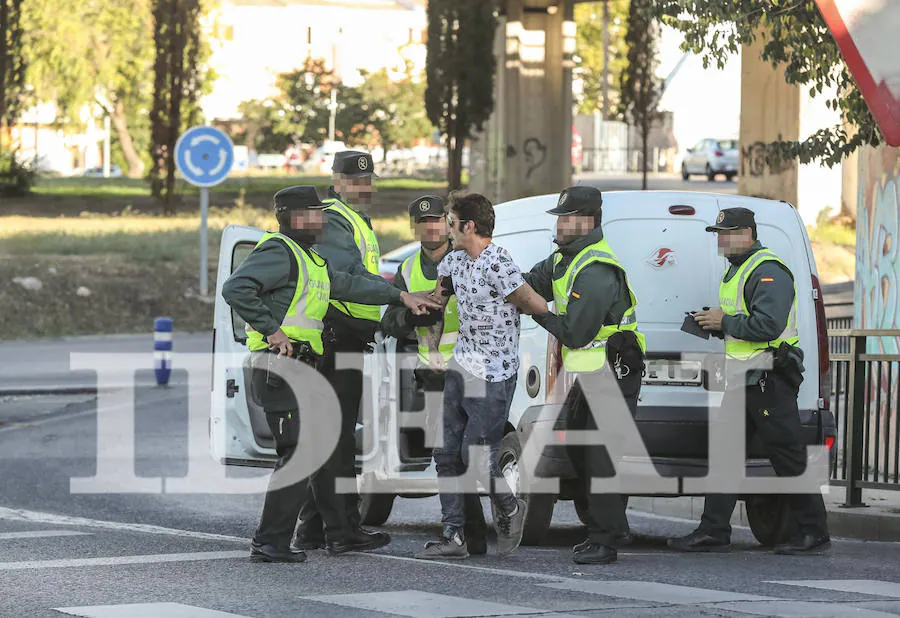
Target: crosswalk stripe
x: 653, y: 592
x: 145, y: 610
x: 118, y: 560
x: 796, y: 609
x: 415, y: 603
x: 40, y: 534
x: 859, y: 586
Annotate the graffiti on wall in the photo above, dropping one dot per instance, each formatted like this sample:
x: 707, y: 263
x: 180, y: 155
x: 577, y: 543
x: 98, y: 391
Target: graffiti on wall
x: 754, y: 161
x: 877, y: 302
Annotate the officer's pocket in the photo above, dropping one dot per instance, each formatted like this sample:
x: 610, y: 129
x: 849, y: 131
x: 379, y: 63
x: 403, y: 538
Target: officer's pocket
x: 268, y: 389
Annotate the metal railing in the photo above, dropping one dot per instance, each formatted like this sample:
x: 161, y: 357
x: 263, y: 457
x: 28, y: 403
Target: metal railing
x: 865, y: 400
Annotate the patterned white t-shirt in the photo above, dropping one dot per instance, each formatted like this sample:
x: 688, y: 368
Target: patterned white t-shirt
x: 488, y: 342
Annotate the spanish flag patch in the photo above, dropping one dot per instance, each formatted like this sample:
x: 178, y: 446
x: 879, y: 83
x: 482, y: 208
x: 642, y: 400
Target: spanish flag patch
x: 766, y: 280
x: 576, y: 295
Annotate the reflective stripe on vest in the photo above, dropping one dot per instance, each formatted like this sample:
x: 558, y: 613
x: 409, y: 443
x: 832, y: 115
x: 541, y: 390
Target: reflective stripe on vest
x: 369, y: 253
x: 592, y: 357
x: 416, y: 281
x: 731, y: 300
x: 303, y: 319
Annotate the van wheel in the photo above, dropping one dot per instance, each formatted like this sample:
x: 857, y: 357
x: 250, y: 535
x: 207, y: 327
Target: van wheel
x: 770, y: 518
x: 374, y: 508
x: 538, y: 507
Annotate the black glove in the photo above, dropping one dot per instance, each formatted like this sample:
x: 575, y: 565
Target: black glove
x: 429, y: 319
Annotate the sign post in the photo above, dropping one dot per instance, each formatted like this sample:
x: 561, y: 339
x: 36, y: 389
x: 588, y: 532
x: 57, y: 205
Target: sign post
x: 204, y: 155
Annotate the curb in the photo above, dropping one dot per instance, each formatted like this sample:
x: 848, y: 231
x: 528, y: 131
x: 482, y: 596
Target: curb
x: 48, y: 390
x: 874, y: 523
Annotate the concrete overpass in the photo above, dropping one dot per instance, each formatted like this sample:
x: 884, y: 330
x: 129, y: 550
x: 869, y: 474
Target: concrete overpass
x: 525, y: 148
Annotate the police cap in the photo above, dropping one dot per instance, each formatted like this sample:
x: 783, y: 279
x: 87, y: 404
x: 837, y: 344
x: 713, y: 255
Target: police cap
x: 733, y: 219
x: 425, y: 207
x: 579, y: 199
x: 300, y: 197
x: 353, y: 164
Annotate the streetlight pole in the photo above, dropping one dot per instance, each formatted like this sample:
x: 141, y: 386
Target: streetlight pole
x: 605, y: 59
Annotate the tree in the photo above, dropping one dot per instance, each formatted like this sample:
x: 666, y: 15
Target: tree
x: 97, y: 54
x: 179, y: 78
x: 640, y: 88
x: 589, y: 47
x: 796, y: 38
x: 460, y: 68
x: 397, y: 114
x: 261, y: 119
x: 12, y: 65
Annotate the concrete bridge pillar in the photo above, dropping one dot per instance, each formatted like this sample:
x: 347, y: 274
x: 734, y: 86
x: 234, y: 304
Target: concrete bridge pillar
x: 770, y: 111
x: 525, y: 148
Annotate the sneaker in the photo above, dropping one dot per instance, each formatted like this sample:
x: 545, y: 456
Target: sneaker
x: 698, y: 541
x: 510, y: 527
x: 453, y: 548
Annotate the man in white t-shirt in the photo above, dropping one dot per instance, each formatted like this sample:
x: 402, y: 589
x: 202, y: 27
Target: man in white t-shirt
x: 481, y: 376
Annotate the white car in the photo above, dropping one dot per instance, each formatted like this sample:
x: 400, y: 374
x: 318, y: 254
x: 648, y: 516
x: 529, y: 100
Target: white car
x: 674, y: 267
x: 712, y: 157
x: 322, y: 160
x: 97, y: 172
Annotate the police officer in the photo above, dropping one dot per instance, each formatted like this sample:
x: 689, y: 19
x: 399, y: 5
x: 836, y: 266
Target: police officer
x: 349, y: 244
x: 758, y: 318
x: 282, y: 292
x: 418, y: 273
x: 594, y: 321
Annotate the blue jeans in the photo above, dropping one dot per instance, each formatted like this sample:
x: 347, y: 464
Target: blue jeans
x: 475, y: 414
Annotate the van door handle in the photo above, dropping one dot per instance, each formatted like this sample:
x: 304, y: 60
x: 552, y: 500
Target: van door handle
x: 231, y: 388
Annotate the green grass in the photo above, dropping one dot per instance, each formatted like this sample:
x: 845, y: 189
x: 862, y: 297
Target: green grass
x: 148, y: 238
x: 130, y: 187
x: 834, y: 234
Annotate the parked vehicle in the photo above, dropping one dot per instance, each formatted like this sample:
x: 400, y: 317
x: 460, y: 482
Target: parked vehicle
x: 320, y: 162
x: 712, y: 157
x: 97, y: 172
x: 673, y: 267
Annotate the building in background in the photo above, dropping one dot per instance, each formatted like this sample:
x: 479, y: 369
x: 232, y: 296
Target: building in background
x: 256, y: 40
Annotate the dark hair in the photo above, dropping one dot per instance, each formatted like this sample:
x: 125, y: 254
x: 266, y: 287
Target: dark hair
x: 473, y: 207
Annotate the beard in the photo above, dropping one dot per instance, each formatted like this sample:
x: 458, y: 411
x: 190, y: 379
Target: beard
x: 304, y: 238
x: 431, y: 245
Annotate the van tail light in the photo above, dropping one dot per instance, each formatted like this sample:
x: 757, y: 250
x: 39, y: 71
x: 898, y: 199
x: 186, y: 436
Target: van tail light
x: 822, y: 334
x: 719, y: 153
x: 829, y: 442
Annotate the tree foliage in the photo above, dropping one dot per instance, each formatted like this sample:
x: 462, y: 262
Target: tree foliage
x: 460, y: 69
x: 397, y: 109
x: 589, y: 53
x: 179, y: 79
x: 639, y: 86
x: 795, y: 37
x: 12, y: 64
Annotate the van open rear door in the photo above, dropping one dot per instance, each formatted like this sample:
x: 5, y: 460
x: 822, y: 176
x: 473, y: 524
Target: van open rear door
x: 238, y: 432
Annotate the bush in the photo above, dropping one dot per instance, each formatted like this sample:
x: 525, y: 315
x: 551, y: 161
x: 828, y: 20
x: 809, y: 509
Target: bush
x: 17, y: 176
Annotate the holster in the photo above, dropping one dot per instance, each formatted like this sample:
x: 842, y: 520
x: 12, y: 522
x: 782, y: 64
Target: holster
x: 626, y: 360
x: 787, y: 362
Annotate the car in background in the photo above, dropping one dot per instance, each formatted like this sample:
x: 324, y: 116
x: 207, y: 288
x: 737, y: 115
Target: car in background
x: 321, y: 160
x: 390, y: 262
x: 97, y: 172
x: 712, y: 157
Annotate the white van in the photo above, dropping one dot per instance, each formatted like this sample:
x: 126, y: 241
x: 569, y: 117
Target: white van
x: 673, y: 265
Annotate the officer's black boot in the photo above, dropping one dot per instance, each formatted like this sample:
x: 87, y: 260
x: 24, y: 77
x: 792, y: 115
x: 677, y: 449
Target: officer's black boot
x: 358, y: 540
x: 699, y: 541
x: 806, y: 545
x: 270, y: 553
x: 594, y: 553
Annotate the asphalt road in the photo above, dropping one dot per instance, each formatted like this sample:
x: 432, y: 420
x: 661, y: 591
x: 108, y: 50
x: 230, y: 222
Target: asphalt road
x: 128, y: 555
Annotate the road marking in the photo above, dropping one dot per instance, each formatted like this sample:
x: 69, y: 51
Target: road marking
x: 415, y: 603
x: 145, y: 610
x: 119, y: 560
x: 458, y: 565
x: 859, y: 586
x: 40, y: 534
x: 47, y: 418
x: 805, y: 609
x: 83, y: 522
x: 654, y: 592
